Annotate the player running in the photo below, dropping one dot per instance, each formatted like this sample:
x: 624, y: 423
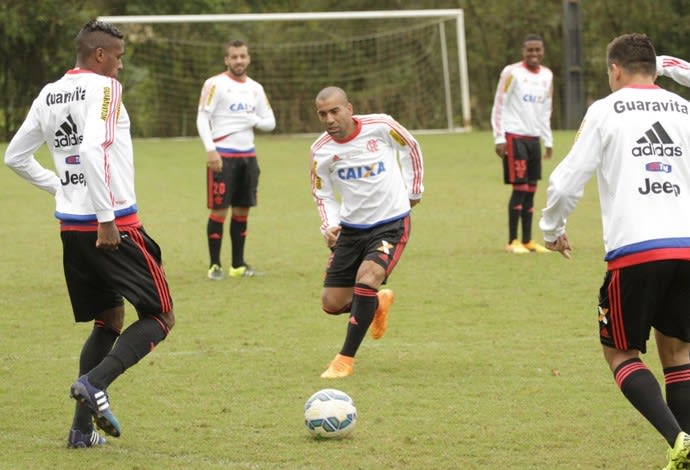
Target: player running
x: 366, y: 175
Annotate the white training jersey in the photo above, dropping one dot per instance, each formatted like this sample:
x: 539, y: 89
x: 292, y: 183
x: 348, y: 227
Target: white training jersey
x: 369, y: 178
x: 522, y: 103
x: 677, y: 69
x: 83, y: 122
x: 229, y: 110
x: 637, y: 141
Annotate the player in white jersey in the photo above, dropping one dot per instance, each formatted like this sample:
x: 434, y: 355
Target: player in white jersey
x: 107, y: 254
x: 366, y: 175
x: 231, y: 106
x: 637, y: 142
x: 520, y: 116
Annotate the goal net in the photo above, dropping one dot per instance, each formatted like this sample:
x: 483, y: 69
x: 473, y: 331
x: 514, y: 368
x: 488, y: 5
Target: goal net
x: 410, y: 64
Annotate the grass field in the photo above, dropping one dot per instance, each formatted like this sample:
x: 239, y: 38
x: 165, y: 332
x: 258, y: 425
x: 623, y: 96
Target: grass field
x: 491, y: 360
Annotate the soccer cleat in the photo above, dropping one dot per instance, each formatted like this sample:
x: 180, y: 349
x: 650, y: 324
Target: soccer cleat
x: 678, y: 457
x: 97, y: 401
x: 215, y: 273
x: 536, y: 247
x: 339, y: 367
x: 380, y: 322
x: 245, y: 271
x: 516, y: 247
x: 79, y: 440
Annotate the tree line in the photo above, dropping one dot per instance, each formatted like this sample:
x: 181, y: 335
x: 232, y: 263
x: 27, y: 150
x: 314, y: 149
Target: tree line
x: 37, y: 41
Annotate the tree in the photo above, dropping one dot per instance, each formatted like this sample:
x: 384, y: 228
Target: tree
x: 37, y: 43
x: 32, y: 52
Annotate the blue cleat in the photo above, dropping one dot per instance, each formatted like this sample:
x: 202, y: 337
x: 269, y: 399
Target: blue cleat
x: 97, y: 401
x: 79, y: 440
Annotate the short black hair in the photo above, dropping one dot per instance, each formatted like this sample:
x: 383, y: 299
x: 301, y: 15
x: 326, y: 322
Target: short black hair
x: 235, y: 43
x: 533, y: 37
x: 633, y: 52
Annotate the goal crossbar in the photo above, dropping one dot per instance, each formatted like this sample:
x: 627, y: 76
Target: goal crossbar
x: 456, y: 14
x: 326, y: 15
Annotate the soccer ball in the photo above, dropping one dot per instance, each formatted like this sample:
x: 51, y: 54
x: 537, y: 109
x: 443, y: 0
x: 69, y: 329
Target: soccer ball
x: 330, y: 413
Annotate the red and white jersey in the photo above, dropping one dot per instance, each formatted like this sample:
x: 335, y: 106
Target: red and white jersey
x: 522, y: 103
x: 637, y: 141
x: 369, y: 178
x: 82, y: 120
x: 677, y: 69
x: 229, y: 110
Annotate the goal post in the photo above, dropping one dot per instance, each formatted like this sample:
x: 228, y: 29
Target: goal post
x: 407, y: 63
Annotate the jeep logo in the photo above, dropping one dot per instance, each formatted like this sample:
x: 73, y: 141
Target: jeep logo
x: 658, y: 188
x: 73, y: 178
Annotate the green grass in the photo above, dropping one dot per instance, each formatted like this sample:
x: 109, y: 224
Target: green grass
x: 491, y: 360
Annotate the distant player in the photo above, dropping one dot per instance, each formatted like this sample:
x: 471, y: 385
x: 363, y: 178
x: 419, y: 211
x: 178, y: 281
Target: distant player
x: 231, y: 106
x: 520, y: 117
x: 366, y: 175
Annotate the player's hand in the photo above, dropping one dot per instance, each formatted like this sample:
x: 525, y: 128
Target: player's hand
x: 548, y: 153
x: 108, y: 236
x: 414, y: 202
x: 213, y: 161
x: 331, y: 236
x: 562, y: 245
x: 500, y: 150
x: 253, y: 119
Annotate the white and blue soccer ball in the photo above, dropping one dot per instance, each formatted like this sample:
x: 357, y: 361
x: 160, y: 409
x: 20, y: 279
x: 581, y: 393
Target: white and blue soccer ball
x: 330, y: 413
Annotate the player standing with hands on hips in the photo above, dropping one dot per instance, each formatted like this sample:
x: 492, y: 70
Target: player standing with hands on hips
x: 107, y: 255
x: 366, y: 175
x: 521, y: 115
x: 637, y: 141
x: 231, y: 106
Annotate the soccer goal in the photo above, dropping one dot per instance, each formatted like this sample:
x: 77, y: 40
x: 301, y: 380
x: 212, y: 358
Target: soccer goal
x: 410, y: 64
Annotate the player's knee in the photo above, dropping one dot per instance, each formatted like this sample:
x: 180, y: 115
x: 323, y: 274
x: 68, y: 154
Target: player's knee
x: 334, y: 306
x: 166, y: 320
x: 371, y: 274
x: 113, y: 318
x: 219, y: 215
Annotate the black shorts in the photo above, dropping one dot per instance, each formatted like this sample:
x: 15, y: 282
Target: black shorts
x: 98, y: 280
x: 383, y: 244
x: 634, y: 299
x: 235, y: 185
x: 522, y: 161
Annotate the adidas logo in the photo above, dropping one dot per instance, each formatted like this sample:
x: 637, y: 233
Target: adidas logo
x: 66, y: 135
x: 656, y: 142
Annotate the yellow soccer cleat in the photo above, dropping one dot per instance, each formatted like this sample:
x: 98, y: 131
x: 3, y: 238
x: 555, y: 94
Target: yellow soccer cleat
x: 536, y: 247
x: 516, y: 247
x: 215, y: 273
x: 245, y: 271
x: 678, y: 457
x: 341, y: 366
x: 380, y: 323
